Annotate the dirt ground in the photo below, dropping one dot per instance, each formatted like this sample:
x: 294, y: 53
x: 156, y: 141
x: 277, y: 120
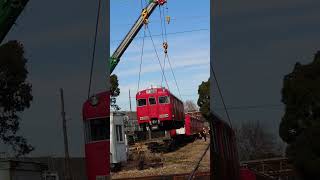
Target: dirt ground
x: 182, y: 160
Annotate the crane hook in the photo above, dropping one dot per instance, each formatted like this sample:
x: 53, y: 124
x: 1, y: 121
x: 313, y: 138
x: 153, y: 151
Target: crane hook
x: 165, y: 47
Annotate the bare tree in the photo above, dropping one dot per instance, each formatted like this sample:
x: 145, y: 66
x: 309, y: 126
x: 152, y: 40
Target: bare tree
x: 190, y: 106
x: 255, y: 143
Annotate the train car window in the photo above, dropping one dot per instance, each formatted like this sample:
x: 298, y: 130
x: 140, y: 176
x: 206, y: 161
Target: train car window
x: 164, y: 100
x: 119, y: 133
x: 97, y: 129
x: 142, y: 102
x: 152, y: 101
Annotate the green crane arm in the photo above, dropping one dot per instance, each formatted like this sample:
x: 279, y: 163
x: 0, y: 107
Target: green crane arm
x: 115, y: 58
x: 9, y: 12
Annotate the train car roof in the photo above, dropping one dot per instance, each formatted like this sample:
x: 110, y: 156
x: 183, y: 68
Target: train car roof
x: 157, y: 88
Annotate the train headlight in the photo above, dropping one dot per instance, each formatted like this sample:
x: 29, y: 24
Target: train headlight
x: 164, y: 115
x: 94, y: 100
x: 144, y: 118
x: 155, y: 121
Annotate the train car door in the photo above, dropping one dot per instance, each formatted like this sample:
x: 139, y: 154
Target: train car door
x: 117, y: 141
x: 153, y: 111
x: 164, y: 106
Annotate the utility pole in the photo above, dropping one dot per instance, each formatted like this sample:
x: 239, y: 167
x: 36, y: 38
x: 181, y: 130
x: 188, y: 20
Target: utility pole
x: 65, y: 136
x: 130, y: 101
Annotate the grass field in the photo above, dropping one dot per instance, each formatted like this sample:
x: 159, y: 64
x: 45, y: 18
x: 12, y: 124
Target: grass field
x: 182, y: 160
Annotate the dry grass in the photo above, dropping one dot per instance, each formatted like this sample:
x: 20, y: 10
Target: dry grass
x: 181, y: 161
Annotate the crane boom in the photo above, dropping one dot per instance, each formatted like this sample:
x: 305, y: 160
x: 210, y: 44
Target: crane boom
x: 115, y: 58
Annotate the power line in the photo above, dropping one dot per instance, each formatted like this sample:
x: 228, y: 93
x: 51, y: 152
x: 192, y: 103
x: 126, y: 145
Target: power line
x: 173, y: 33
x: 171, y: 19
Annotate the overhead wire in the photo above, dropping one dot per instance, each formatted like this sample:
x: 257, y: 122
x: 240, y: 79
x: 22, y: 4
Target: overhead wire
x: 94, y: 47
x: 173, y: 33
x: 189, y: 18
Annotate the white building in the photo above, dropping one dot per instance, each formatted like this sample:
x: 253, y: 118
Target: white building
x: 118, y: 140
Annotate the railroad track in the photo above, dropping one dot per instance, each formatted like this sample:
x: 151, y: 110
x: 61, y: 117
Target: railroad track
x: 169, y: 145
x: 198, y: 176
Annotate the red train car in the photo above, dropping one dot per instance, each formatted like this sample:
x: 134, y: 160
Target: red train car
x: 158, y: 109
x: 194, y: 124
x: 225, y: 150
x: 96, y: 118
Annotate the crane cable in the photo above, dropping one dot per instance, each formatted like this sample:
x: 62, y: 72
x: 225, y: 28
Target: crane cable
x: 164, y: 60
x: 142, y: 50
x: 94, y: 47
x: 165, y: 43
x: 163, y: 29
x: 174, y: 77
x: 154, y: 47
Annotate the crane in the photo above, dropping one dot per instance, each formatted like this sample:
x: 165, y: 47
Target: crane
x: 9, y: 12
x: 143, y: 19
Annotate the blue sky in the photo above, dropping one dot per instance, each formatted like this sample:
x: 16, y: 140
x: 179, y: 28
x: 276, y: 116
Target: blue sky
x: 188, y: 52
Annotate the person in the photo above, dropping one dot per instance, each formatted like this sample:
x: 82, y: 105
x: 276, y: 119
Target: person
x: 204, y: 134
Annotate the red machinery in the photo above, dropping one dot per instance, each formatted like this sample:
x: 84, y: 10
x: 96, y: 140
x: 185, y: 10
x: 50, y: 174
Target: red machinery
x: 157, y: 108
x: 192, y: 127
x: 96, y: 117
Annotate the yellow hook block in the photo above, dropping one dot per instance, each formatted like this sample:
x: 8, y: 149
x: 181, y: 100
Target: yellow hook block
x: 168, y: 19
x: 144, y: 15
